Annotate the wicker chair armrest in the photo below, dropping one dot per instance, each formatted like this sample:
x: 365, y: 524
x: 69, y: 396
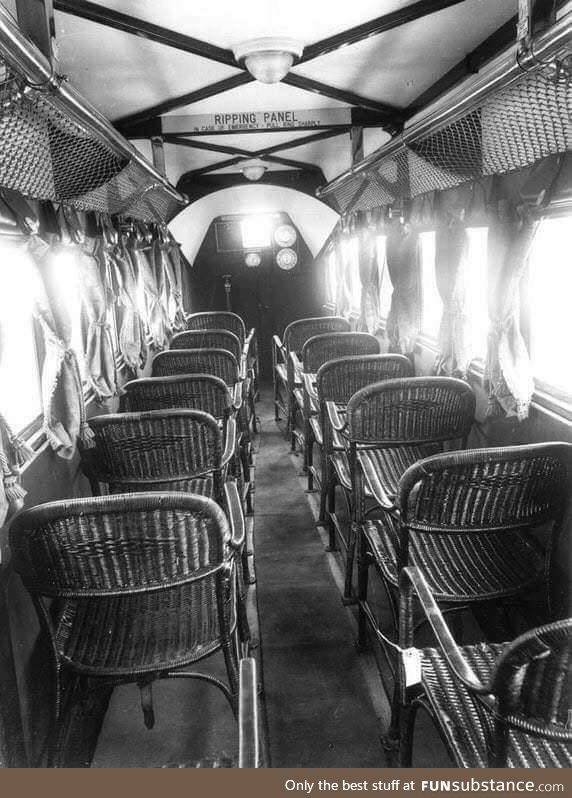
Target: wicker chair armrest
x: 235, y: 516
x: 337, y: 422
x: 278, y: 349
x: 380, y: 496
x: 229, y: 442
x: 309, y: 381
x: 248, y: 737
x: 412, y: 581
x: 297, y: 368
x: 237, y: 396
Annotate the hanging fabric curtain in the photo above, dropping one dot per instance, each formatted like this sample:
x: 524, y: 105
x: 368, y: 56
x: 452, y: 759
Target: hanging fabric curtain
x: 13, y: 454
x: 141, y: 252
x: 369, y: 273
x: 159, y: 261
x: 403, y: 263
x: 99, y: 352
x: 131, y: 328
x: 172, y: 264
x: 451, y: 263
x: 508, y: 372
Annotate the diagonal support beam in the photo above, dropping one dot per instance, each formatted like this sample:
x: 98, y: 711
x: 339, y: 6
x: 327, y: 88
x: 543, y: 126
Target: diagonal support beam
x: 394, y: 116
x: 146, y: 30
x: 186, y: 99
x: 375, y: 26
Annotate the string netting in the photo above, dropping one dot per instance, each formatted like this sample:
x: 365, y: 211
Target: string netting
x: 47, y: 155
x: 513, y: 128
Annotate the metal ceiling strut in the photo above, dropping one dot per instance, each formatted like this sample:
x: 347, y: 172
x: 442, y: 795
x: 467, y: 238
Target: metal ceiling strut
x: 498, y: 74
x: 24, y: 58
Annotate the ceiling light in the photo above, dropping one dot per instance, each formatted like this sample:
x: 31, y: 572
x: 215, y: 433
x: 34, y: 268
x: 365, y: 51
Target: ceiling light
x: 253, y: 168
x: 269, y: 59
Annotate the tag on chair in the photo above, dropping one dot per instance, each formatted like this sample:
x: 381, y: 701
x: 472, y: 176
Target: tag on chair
x: 411, y: 658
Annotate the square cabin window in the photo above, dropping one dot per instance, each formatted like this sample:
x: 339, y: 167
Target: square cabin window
x: 550, y: 272
x: 20, y: 397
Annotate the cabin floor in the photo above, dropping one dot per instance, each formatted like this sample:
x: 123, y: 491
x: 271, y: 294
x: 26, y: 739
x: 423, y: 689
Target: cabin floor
x: 324, y: 704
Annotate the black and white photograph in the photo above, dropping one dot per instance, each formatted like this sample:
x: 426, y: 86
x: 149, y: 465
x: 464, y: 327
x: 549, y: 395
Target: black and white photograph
x: 286, y: 392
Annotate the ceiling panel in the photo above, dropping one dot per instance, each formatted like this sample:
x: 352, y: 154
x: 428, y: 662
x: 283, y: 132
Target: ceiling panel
x: 248, y: 19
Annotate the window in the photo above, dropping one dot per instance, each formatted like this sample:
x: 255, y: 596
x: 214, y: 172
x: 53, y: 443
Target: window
x: 550, y: 273
x: 432, y: 304
x: 20, y: 397
x: 256, y: 232
x: 385, y: 287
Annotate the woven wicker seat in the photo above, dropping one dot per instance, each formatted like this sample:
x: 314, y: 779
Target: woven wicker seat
x: 389, y: 426
x: 140, y: 586
x: 495, y: 705
x: 294, y: 338
x: 336, y: 382
x: 317, y: 350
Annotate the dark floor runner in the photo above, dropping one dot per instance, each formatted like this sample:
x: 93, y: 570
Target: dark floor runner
x: 319, y: 710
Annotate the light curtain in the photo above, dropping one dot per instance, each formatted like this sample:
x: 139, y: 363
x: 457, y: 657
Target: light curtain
x: 403, y: 263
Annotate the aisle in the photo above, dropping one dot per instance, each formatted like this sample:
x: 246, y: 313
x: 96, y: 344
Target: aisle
x: 321, y: 710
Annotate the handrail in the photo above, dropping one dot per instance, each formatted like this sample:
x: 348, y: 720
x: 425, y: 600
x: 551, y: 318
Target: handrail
x: 25, y: 58
x: 499, y: 73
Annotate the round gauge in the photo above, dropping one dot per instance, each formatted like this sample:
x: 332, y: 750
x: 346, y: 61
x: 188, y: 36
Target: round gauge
x: 286, y: 259
x: 252, y: 259
x: 285, y: 235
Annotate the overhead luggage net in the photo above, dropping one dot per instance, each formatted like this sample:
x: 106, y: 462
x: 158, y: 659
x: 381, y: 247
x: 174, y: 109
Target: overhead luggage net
x: 45, y: 154
x: 511, y: 129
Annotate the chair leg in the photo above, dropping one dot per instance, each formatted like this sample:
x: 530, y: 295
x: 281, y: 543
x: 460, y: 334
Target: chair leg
x: 309, y: 456
x: 331, y: 509
x: 405, y: 724
x: 350, y: 557
x: 363, y: 575
x: 146, y: 689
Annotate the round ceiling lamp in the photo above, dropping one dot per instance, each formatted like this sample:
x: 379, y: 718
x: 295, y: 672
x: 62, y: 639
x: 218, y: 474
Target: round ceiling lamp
x: 252, y: 168
x: 268, y: 59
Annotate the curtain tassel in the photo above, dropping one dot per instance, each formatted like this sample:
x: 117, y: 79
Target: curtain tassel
x: 86, y: 435
x: 22, y: 453
x: 15, y: 493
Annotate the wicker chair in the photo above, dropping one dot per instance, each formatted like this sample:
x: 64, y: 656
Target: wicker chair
x: 467, y: 519
x: 495, y: 705
x: 295, y: 336
x: 192, y: 391
x: 336, y: 382
x: 222, y: 364
x: 131, y: 588
x: 315, y: 352
x: 218, y: 362
x: 159, y: 450
x: 391, y: 425
x: 225, y: 320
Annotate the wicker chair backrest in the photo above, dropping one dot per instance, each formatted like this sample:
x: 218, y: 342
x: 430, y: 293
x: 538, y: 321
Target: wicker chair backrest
x: 320, y: 348
x: 218, y: 320
x: 532, y: 682
x: 121, y: 544
x: 487, y: 489
x: 218, y: 362
x: 409, y: 411
x: 338, y: 380
x: 169, y: 447
x: 208, y: 339
x: 192, y: 391
x: 297, y: 333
